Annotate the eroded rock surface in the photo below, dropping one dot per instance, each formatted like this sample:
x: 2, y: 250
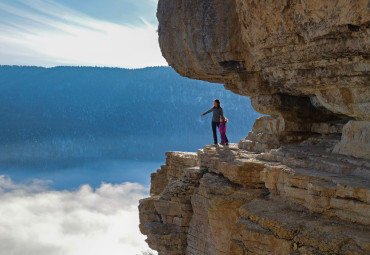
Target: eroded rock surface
x: 306, y: 49
x: 299, y: 183
x: 297, y: 199
x: 305, y: 63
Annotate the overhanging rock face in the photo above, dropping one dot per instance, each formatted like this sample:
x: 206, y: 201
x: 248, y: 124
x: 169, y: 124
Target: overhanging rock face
x: 306, y: 62
x: 315, y: 49
x: 299, y: 183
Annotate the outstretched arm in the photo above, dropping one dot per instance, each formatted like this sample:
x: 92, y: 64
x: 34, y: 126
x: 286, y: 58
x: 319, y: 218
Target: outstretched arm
x: 210, y: 110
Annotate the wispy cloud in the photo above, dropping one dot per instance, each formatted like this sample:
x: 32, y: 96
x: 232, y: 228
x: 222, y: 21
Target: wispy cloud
x: 47, y: 33
x: 35, y: 220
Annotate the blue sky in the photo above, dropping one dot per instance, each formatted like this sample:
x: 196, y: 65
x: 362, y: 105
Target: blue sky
x: 116, y: 33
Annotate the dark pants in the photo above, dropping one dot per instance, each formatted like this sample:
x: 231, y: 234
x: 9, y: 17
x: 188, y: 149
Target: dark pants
x: 215, y: 126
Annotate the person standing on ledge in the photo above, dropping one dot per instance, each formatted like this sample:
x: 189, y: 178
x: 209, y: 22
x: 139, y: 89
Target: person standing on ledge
x: 217, y: 113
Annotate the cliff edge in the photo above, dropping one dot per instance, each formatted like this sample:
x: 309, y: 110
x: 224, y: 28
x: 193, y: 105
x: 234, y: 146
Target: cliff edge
x: 299, y: 183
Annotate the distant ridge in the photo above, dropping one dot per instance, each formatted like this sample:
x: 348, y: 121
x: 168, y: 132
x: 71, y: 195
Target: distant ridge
x: 93, y: 104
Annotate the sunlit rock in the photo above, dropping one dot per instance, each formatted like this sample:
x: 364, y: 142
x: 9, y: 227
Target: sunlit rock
x: 299, y: 183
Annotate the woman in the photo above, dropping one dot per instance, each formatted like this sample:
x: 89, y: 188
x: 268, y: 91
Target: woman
x: 217, y: 113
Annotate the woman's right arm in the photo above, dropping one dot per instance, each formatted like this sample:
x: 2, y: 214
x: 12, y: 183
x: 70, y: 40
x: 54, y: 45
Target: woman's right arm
x: 210, y: 110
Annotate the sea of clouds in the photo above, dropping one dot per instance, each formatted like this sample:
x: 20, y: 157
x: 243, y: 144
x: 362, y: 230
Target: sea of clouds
x: 37, y: 221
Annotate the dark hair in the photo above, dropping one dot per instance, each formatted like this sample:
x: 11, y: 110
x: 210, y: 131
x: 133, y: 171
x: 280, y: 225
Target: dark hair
x: 218, y: 103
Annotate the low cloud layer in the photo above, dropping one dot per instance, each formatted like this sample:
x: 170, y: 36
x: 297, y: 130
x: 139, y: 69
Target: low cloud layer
x: 37, y: 221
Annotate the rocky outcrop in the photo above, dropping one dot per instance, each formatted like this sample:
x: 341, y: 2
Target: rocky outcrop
x: 299, y: 183
x: 307, y: 49
x: 298, y: 199
x: 303, y: 62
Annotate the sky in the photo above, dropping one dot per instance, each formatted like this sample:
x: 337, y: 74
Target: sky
x: 112, y: 33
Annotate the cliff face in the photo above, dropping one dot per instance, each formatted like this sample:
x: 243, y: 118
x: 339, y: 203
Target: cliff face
x: 299, y: 183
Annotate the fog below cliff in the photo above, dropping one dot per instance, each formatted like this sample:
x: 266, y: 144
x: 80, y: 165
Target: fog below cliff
x: 77, y: 146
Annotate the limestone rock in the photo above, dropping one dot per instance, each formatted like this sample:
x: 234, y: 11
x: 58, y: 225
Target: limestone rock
x: 258, y: 48
x: 355, y: 140
x: 299, y: 183
x: 282, y: 229
x: 175, y: 165
x: 306, y: 63
x: 298, y: 199
x: 216, y: 203
x: 165, y: 216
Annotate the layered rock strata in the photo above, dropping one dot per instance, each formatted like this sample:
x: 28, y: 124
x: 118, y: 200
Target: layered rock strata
x: 298, y: 199
x: 299, y: 183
